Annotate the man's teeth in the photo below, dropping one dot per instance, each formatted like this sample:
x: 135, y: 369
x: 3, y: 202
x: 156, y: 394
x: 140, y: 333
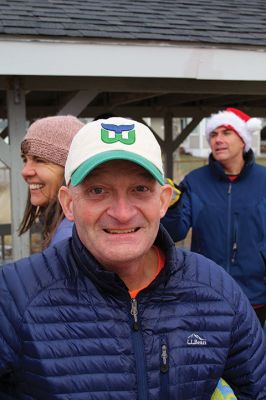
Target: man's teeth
x: 121, y: 231
x: 34, y: 186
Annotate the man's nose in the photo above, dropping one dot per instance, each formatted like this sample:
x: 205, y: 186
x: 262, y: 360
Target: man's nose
x: 122, y: 209
x: 218, y: 138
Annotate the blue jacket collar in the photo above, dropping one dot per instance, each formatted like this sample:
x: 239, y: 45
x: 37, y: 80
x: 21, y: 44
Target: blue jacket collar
x: 109, y: 281
x: 217, y: 168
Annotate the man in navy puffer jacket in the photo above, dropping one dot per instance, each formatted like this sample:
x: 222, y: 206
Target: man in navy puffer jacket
x: 117, y: 312
x: 225, y: 204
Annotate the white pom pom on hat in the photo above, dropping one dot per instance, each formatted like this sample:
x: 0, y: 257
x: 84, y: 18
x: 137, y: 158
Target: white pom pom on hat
x: 236, y: 120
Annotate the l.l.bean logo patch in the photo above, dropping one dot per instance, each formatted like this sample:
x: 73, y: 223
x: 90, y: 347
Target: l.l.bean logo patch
x: 111, y: 133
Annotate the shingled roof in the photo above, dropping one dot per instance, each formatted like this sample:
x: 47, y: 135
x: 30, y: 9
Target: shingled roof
x: 220, y: 22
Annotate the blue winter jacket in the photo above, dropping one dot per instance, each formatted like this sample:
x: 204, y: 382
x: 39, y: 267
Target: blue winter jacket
x: 63, y: 231
x: 228, y: 221
x: 69, y: 330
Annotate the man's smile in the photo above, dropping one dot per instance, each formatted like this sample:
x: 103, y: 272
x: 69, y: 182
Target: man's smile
x: 121, y: 231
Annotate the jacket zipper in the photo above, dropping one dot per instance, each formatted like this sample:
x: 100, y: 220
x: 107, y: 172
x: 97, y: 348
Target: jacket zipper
x: 138, y: 346
x: 164, y: 370
x: 229, y: 192
x: 235, y: 238
x: 232, y: 249
x: 134, y: 313
x: 234, y: 252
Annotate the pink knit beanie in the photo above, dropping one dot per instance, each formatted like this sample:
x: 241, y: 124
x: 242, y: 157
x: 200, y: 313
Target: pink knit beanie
x: 49, y: 138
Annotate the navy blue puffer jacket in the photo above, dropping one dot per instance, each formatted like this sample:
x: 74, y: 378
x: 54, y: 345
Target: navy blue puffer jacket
x: 70, y: 331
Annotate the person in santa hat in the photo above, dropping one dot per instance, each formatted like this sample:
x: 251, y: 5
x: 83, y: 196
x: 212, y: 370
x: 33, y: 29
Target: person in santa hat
x: 224, y: 203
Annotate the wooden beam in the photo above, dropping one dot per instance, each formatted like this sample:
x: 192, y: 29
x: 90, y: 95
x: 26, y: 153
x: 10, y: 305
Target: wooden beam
x: 159, y: 85
x: 184, y: 134
x: 78, y: 102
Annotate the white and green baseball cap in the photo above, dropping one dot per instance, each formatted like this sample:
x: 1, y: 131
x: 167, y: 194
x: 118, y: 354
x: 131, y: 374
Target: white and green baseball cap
x: 109, y: 139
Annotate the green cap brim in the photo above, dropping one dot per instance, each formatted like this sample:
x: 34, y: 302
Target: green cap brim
x: 87, y: 166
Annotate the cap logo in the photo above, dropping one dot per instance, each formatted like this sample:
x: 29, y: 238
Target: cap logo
x: 111, y: 133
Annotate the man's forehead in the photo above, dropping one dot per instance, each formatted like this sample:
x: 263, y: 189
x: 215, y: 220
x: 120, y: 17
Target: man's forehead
x: 126, y: 167
x: 224, y: 128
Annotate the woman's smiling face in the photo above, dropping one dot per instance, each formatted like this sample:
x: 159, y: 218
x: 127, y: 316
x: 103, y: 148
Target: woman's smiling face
x: 44, y: 179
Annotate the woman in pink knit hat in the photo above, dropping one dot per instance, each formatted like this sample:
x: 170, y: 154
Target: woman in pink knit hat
x: 44, y: 151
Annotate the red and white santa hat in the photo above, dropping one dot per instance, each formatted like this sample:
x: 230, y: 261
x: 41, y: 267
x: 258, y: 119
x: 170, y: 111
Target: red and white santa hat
x: 238, y: 121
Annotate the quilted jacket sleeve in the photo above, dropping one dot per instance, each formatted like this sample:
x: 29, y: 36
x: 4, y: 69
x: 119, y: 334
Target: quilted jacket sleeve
x: 177, y: 220
x: 10, y: 321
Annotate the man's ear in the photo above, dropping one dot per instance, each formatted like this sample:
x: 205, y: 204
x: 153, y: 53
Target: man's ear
x: 65, y: 199
x: 165, y: 198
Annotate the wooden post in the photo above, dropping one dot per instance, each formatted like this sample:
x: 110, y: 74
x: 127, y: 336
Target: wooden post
x: 17, y: 129
x: 168, y: 146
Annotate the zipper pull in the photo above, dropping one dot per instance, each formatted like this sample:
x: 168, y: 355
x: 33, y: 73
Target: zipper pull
x: 134, y: 312
x: 234, y: 252
x: 164, y: 358
x: 229, y: 188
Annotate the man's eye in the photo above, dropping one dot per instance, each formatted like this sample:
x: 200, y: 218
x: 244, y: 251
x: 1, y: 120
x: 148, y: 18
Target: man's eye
x: 141, y: 188
x: 97, y: 190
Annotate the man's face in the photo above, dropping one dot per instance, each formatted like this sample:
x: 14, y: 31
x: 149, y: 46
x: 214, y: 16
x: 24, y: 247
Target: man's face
x: 117, y: 211
x: 226, y: 145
